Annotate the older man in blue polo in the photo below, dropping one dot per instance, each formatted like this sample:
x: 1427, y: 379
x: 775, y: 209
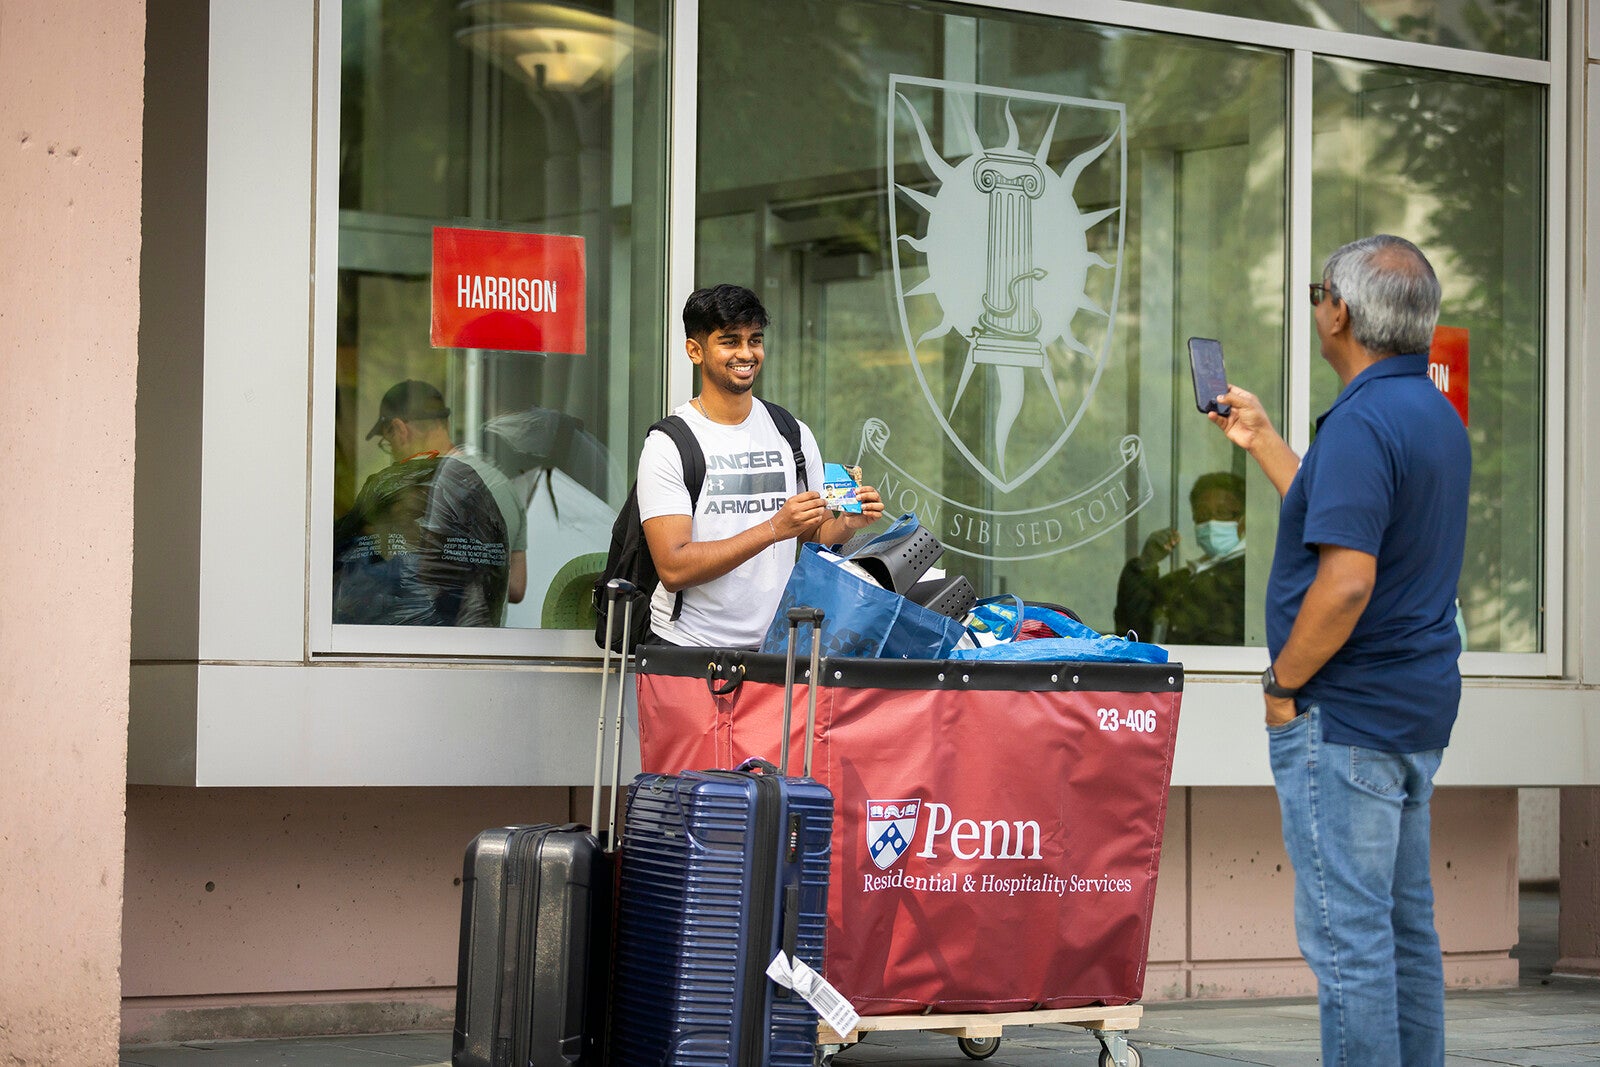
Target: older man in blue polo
x: 1363, y: 684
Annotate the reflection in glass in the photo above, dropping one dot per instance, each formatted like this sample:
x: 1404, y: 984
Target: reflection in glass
x: 534, y: 117
x: 434, y: 539
x: 983, y: 239
x: 1200, y: 602
x: 1505, y: 27
x: 1455, y: 164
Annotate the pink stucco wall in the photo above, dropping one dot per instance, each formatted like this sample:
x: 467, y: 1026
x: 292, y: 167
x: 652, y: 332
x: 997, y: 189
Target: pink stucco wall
x: 1224, y: 917
x: 266, y: 911
x: 272, y: 911
x: 1579, y: 934
x: 70, y: 134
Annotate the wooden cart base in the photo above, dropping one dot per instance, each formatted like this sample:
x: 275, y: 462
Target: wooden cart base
x: 979, y: 1035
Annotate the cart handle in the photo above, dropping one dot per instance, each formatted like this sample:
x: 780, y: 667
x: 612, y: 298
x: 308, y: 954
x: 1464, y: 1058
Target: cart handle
x: 734, y: 680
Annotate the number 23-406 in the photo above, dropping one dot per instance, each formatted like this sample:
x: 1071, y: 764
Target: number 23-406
x: 1140, y: 721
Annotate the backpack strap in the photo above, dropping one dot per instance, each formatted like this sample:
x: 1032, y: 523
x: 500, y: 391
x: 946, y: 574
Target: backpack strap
x: 694, y: 460
x: 789, y: 426
x: 694, y: 471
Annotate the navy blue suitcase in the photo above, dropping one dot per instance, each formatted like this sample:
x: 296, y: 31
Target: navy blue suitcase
x: 720, y: 871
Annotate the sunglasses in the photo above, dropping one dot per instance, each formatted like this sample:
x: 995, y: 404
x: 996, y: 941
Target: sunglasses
x: 1321, y: 291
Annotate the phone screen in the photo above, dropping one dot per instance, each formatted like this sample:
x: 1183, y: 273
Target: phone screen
x: 1210, y: 381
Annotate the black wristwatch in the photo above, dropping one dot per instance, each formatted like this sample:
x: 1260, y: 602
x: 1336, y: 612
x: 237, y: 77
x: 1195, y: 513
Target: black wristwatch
x: 1270, y: 686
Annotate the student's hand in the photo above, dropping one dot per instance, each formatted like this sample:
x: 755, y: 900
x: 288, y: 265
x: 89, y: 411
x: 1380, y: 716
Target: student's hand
x: 1247, y: 423
x: 871, y: 509
x: 800, y: 515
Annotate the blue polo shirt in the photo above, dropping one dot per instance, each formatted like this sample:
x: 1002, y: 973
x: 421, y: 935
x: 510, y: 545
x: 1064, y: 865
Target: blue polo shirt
x: 1387, y: 475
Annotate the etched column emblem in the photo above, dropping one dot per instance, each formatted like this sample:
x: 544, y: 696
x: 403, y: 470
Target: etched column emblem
x: 1007, y: 334
x: 989, y: 242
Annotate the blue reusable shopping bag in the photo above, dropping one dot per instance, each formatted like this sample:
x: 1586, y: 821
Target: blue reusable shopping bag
x: 996, y: 617
x: 861, y: 618
x: 1003, y: 615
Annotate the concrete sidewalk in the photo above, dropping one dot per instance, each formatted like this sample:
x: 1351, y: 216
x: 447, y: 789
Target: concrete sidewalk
x: 1545, y: 1022
x: 1536, y: 1025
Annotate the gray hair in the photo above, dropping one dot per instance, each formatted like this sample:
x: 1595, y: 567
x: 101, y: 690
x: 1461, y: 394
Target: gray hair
x: 1391, y: 291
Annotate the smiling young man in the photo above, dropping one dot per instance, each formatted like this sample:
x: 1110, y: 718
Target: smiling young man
x: 730, y: 552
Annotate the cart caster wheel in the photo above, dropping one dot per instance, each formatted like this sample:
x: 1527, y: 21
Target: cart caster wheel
x: 979, y: 1048
x: 1134, y: 1059
x: 825, y: 1055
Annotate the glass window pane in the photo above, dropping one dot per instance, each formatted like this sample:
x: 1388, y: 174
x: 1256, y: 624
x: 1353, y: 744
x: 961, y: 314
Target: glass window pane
x: 518, y: 119
x: 984, y: 239
x: 1505, y: 27
x: 1456, y: 164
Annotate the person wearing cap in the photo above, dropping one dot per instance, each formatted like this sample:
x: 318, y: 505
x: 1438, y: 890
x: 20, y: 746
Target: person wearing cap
x: 413, y: 419
x: 437, y: 538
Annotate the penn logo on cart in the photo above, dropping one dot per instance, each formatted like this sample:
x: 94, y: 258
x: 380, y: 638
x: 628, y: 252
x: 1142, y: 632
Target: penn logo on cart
x: 891, y: 826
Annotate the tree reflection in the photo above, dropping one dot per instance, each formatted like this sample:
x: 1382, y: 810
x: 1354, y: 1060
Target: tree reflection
x: 1465, y: 156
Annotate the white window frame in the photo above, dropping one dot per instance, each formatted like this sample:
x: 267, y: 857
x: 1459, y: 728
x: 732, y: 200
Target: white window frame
x: 1300, y: 44
x: 326, y: 640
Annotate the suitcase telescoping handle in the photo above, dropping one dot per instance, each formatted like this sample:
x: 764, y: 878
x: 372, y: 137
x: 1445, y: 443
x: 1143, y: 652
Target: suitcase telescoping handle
x: 616, y: 589
x: 796, y: 617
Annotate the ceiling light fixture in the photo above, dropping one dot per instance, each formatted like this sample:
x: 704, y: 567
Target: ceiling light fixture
x: 557, y: 47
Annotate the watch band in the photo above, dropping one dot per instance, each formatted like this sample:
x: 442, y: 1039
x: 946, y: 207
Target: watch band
x: 1270, y: 686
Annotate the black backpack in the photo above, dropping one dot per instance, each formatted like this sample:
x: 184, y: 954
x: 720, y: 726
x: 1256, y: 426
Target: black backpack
x: 629, y: 554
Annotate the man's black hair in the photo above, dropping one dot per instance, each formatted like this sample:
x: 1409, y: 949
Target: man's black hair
x: 709, y: 310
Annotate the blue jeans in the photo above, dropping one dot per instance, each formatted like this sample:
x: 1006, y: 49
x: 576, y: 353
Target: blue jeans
x: 1355, y: 822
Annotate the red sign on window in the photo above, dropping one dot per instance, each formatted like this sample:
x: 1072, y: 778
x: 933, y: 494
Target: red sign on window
x: 1447, y: 366
x: 515, y: 292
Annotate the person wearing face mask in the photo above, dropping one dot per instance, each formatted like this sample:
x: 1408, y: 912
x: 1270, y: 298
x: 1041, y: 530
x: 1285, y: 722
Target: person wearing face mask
x: 1202, y: 601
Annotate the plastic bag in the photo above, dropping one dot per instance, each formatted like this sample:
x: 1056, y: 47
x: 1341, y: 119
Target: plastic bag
x: 1077, y: 641
x: 995, y: 619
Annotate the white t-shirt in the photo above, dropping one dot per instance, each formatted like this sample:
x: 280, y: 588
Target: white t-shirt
x: 749, y: 474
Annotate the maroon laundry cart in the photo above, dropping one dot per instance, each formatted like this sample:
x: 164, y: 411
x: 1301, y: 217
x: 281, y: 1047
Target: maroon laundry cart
x: 998, y: 825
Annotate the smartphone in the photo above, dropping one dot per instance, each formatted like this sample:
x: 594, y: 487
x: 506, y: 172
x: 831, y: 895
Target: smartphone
x: 1210, y: 381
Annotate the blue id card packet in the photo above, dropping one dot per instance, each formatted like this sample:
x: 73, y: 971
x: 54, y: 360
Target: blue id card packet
x: 839, y: 489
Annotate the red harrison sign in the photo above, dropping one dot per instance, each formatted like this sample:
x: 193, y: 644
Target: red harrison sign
x: 1447, y: 365
x: 516, y: 292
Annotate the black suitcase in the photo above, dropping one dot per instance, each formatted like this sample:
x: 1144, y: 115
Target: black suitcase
x: 720, y: 871
x: 536, y: 918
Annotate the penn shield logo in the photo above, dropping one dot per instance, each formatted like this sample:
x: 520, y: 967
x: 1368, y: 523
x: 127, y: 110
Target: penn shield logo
x: 891, y: 826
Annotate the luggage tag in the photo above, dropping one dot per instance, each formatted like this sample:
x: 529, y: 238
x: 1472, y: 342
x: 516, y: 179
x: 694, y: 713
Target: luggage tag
x: 793, y: 973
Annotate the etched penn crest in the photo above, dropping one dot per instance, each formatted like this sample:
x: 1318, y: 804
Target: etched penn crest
x: 1005, y: 255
